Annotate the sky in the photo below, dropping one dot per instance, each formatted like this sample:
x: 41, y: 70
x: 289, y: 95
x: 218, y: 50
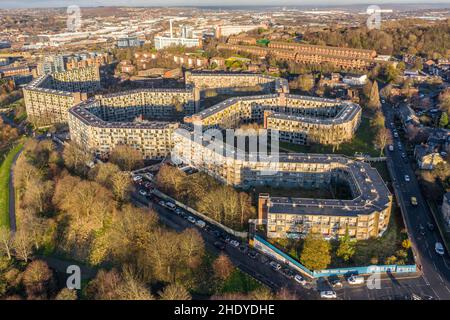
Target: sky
x: 90, y: 3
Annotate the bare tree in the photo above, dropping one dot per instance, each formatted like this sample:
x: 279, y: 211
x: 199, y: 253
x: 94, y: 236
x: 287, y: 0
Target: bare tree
x: 126, y: 157
x: 175, y: 292
x: 223, y: 267
x: 6, y: 241
x: 23, y: 245
x: 382, y: 138
x: 76, y: 159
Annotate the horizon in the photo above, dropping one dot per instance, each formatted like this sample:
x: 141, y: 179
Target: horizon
x: 29, y: 4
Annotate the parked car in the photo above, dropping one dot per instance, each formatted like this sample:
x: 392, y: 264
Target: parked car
x: 137, y: 178
x: 243, y: 248
x: 178, y: 211
x: 162, y: 203
x: 287, y: 273
x: 430, y: 226
x: 219, y: 245
x: 191, y: 219
x: 263, y: 259
x: 407, y: 179
x: 252, y: 254
x: 328, y: 294
x: 234, y: 243
x: 171, y: 205
x: 335, y: 283
x: 275, y: 265
x: 439, y: 248
x: 414, y: 201
x: 421, y: 230
x: 391, y: 147
x: 355, y: 280
x: 200, y: 223
x: 142, y: 192
x: 298, y: 278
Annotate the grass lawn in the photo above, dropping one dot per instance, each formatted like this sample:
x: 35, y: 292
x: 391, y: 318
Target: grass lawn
x: 240, y: 282
x: 4, y: 184
x: 362, y: 142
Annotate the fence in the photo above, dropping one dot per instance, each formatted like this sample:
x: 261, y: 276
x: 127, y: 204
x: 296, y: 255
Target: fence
x: 239, y: 234
x: 262, y: 245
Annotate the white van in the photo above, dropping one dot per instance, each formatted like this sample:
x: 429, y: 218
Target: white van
x: 355, y: 280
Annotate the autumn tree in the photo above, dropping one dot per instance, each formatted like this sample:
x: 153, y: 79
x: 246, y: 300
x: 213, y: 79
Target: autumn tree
x: 38, y: 280
x: 67, y: 294
x: 175, y: 292
x: 121, y: 186
x: 315, y: 254
x: 374, y: 97
x: 76, y: 159
x: 346, y: 247
x: 223, y: 267
x: 22, y: 245
x: 126, y: 157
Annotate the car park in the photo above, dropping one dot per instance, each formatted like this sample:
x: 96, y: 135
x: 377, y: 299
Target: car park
x: 298, y: 278
x: 439, y: 248
x: 328, y: 294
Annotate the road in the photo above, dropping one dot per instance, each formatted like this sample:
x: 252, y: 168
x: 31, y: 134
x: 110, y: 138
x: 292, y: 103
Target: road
x: 436, y: 269
x: 254, y: 267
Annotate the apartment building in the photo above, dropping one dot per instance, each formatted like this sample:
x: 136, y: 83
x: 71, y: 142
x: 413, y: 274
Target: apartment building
x: 48, y: 98
x: 297, y: 119
x: 99, y: 128
x: 366, y: 215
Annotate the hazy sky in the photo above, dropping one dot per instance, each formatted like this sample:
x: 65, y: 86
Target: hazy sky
x: 90, y: 3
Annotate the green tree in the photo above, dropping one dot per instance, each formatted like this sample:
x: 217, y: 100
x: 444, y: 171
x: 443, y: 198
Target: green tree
x: 346, y: 247
x: 443, y: 121
x: 315, y: 254
x: 374, y: 97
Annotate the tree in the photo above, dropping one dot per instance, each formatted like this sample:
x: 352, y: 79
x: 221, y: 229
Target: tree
x: 315, y: 254
x: 22, y: 245
x: 126, y: 157
x: 121, y: 185
x: 67, y: 294
x: 223, y: 267
x: 374, y: 97
x: 406, y: 244
x: 103, y: 173
x: 263, y: 293
x: 382, y: 138
x: 76, y: 159
x: 443, y: 121
x: 346, y: 247
x: 175, y: 292
x: 6, y: 241
x: 305, y: 82
x: 38, y: 280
